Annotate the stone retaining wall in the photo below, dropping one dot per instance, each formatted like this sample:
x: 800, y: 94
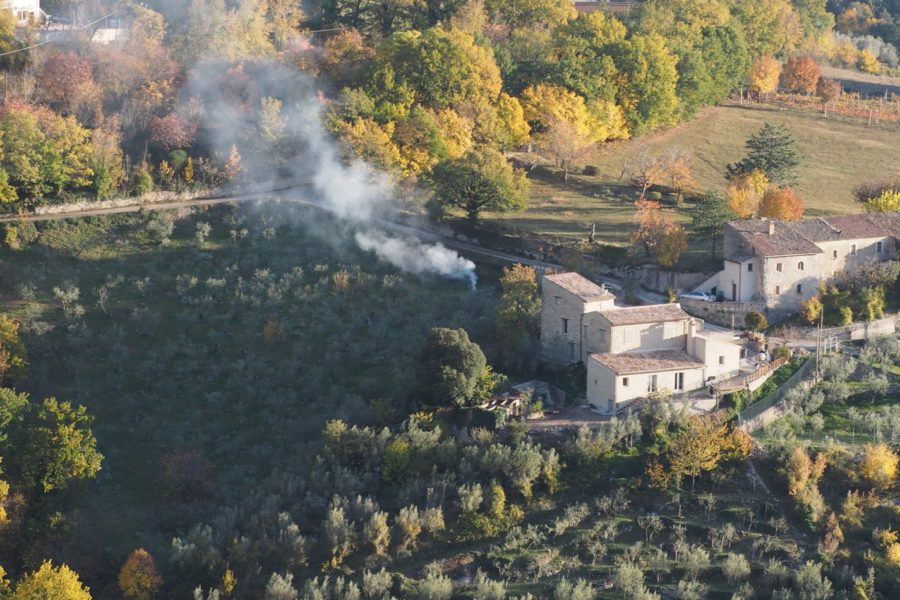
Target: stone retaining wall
x: 145, y: 199
x: 725, y: 314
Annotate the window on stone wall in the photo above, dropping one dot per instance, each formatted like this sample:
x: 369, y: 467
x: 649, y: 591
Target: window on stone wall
x: 651, y: 384
x: 852, y: 248
x: 624, y: 382
x: 721, y: 360
x: 777, y: 289
x: 800, y: 288
x: 565, y: 325
x: 834, y: 254
x: 679, y: 381
x: 800, y: 266
x: 879, y: 246
x: 778, y: 267
x: 750, y: 266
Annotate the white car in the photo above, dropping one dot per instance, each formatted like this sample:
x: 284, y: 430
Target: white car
x: 699, y: 296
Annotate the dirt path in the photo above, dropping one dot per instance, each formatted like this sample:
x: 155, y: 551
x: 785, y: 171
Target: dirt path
x: 292, y: 194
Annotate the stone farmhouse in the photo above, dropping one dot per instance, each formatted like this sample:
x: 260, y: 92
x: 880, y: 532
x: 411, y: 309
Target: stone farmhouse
x: 24, y: 11
x: 779, y: 264
x: 630, y: 352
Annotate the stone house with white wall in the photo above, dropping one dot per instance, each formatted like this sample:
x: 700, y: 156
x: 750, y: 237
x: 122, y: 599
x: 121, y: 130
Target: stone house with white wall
x: 25, y: 12
x: 781, y: 263
x: 630, y: 352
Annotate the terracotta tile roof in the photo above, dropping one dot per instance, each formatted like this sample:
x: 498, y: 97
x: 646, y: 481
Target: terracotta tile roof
x: 634, y: 315
x: 582, y: 287
x: 630, y: 363
x: 800, y: 237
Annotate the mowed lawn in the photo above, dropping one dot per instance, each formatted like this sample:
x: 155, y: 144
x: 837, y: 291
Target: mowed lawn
x: 838, y: 156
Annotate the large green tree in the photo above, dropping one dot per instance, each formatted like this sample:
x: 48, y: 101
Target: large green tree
x: 44, y: 153
x: 450, y: 368
x: 709, y: 216
x: 814, y: 17
x: 648, y: 94
x: 528, y: 14
x: 519, y: 302
x: 47, y: 445
x: 770, y: 26
x: 773, y: 151
x: 481, y: 180
x: 440, y: 67
x: 580, y: 57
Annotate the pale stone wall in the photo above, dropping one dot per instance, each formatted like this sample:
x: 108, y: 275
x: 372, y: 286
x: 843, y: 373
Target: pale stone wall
x: 604, y: 385
x: 563, y: 323
x: 726, y: 314
x: 781, y: 286
x: 722, y: 359
x: 785, y: 273
x: 670, y: 335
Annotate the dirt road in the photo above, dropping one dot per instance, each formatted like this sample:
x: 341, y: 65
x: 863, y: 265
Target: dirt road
x: 293, y: 194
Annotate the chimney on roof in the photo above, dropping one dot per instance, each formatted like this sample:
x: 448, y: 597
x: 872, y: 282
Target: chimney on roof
x: 771, y: 227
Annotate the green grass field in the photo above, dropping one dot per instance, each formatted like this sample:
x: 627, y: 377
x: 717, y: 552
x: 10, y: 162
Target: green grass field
x: 838, y: 157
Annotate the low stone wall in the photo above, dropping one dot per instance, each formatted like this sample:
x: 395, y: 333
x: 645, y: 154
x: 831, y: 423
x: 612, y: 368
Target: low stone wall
x: 759, y: 414
x: 725, y: 314
x: 145, y: 199
x: 659, y: 280
x: 856, y: 331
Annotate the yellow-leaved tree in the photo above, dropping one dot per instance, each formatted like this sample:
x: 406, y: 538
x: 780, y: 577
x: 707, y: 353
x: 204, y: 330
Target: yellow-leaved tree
x: 703, y: 444
x: 888, y: 201
x: 764, y: 75
x: 879, y: 465
x: 12, y: 350
x: 564, y: 125
x: 49, y: 582
x: 803, y: 475
x: 745, y: 193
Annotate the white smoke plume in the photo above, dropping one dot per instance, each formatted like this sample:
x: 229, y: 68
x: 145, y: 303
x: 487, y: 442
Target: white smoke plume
x: 304, y: 152
x: 415, y: 257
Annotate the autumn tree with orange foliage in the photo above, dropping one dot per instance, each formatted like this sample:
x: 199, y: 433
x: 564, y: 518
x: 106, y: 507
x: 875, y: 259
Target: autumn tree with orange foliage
x: 139, y: 578
x: 800, y: 74
x: 828, y: 89
x: 680, y: 172
x: 650, y: 225
x: 764, y: 75
x: 781, y: 203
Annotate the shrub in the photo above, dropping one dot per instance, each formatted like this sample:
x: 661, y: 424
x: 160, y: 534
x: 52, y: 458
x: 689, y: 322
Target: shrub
x: 756, y: 321
x: 11, y: 237
x: 143, y: 183
x: 781, y: 352
x: 591, y: 171
x: 846, y: 315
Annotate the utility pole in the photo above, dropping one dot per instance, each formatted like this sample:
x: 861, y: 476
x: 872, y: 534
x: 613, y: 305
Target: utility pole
x: 819, y: 341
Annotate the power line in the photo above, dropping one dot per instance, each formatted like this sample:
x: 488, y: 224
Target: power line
x: 44, y: 43
x: 323, y: 30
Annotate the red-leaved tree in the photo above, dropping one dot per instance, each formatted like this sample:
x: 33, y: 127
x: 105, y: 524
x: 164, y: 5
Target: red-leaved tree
x: 800, y: 74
